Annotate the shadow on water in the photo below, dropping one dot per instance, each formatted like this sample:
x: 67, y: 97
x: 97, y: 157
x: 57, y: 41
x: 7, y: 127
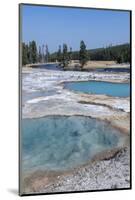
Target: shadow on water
x: 49, y: 67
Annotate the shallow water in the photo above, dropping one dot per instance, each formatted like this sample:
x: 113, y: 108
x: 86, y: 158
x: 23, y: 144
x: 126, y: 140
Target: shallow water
x: 61, y: 143
x: 127, y: 70
x: 49, y: 67
x: 100, y: 87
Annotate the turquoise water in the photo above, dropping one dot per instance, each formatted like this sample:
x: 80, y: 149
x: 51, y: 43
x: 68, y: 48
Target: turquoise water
x: 61, y: 143
x: 100, y: 87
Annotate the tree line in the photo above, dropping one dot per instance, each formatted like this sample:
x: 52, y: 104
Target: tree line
x: 31, y: 54
x: 118, y: 53
x: 64, y: 55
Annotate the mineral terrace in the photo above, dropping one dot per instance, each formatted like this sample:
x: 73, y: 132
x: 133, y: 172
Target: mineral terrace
x: 43, y: 94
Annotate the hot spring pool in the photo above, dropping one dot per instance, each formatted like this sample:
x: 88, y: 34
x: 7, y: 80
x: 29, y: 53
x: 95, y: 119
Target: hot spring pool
x: 100, y: 87
x: 61, y: 143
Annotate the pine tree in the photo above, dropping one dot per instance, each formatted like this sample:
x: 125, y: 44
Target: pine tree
x: 25, y: 59
x: 65, y: 55
x: 70, y: 54
x: 33, y: 49
x: 59, y: 55
x: 83, y: 54
x: 43, y: 55
x: 30, y: 52
x: 46, y: 53
x: 39, y: 55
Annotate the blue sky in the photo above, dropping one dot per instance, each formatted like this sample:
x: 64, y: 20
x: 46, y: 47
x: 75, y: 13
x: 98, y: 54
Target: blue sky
x: 55, y: 26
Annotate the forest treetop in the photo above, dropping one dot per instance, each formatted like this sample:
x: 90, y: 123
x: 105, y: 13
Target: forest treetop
x: 31, y: 53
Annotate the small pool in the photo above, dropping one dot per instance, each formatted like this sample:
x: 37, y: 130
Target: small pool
x: 62, y: 143
x: 100, y: 87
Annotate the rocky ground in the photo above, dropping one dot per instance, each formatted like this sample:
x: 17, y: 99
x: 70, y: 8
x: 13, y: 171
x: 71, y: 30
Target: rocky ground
x: 105, y: 174
x: 111, y: 172
x: 45, y: 95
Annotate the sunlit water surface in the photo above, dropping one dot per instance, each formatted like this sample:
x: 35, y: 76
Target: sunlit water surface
x: 100, y: 87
